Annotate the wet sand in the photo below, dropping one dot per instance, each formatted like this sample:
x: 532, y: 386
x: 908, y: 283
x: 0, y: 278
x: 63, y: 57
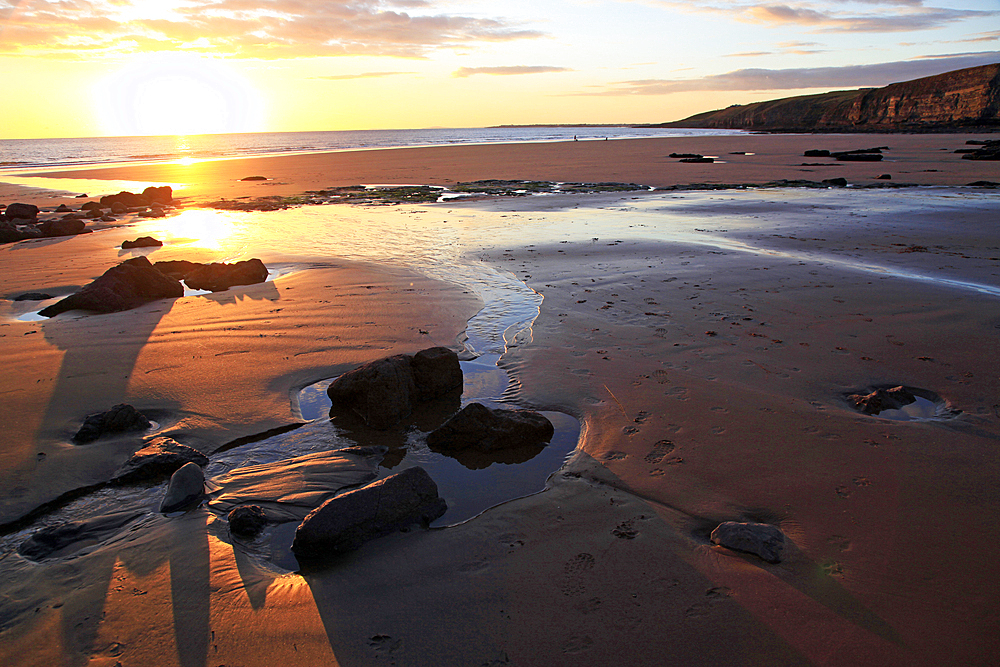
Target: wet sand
x: 705, y: 341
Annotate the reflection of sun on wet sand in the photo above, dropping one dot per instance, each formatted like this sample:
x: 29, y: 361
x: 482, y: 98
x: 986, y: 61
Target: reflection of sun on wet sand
x: 706, y: 341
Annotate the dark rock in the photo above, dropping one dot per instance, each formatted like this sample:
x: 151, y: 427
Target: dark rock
x: 247, y: 521
x: 161, y: 457
x: 119, y: 208
x: 187, y: 485
x: 122, y: 418
x: 163, y: 194
x: 345, y: 522
x: 884, y: 177
x: 697, y: 160
x: 436, y: 371
x: 384, y: 391
x: 761, y: 539
x: 66, y: 538
x: 152, y: 213
x: 63, y: 209
x: 142, y: 242
x: 254, y: 178
x: 220, y: 277
x: 64, y: 227
x: 10, y: 233
x: 481, y: 429
x: 817, y: 153
x: 685, y: 155
x: 92, y: 206
x: 882, y: 399
x: 32, y: 296
x: 984, y: 184
x: 858, y: 157
x: 21, y: 211
x: 125, y: 198
x: 381, y: 392
x: 83, y: 196
x: 176, y: 268
x: 836, y: 182
x: 94, y: 213
x: 122, y: 287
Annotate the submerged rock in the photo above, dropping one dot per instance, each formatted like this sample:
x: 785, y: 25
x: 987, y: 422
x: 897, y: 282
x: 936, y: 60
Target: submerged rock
x: 187, y: 485
x: 66, y: 538
x: 760, y: 539
x: 247, y: 520
x: 122, y: 287
x: 161, y: 457
x: 32, y: 296
x: 122, y: 418
x: 481, y: 429
x: 882, y: 399
x: 347, y: 521
x: 384, y: 391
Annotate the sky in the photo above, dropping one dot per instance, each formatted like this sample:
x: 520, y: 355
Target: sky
x: 76, y: 68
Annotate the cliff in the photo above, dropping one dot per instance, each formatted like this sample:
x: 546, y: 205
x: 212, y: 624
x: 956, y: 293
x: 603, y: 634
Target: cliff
x: 963, y: 99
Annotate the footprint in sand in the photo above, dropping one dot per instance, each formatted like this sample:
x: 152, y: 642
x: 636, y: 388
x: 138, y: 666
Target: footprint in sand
x: 574, y: 571
x: 843, y: 491
x: 713, y: 596
x: 588, y: 606
x: 384, y: 644
x: 577, y: 644
x: 661, y: 376
x: 614, y: 456
x: 660, y: 450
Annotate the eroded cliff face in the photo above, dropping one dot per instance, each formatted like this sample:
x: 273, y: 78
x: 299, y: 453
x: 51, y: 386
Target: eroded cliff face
x: 960, y: 99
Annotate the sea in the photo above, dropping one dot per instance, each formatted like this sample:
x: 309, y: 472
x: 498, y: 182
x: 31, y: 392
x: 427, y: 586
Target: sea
x: 19, y: 155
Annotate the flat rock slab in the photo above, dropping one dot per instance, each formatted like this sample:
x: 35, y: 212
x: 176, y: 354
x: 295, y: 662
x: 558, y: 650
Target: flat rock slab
x: 186, y: 486
x: 122, y: 418
x: 289, y: 489
x: 383, y: 392
x: 347, y: 521
x: 220, y: 277
x: 161, y: 457
x: 760, y: 539
x: 479, y: 428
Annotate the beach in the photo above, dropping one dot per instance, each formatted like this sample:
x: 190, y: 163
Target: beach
x: 705, y: 342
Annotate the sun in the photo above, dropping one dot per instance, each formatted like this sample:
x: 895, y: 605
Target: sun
x: 177, y: 94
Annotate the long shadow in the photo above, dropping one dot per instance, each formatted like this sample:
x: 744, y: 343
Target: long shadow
x: 190, y: 589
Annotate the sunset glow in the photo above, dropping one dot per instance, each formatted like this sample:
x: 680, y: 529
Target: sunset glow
x: 199, y: 66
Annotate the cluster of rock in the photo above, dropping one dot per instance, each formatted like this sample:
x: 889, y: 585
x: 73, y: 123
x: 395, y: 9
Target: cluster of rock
x: 159, y: 458
x: 882, y: 399
x: 857, y: 155
x: 692, y: 158
x: 137, y: 281
x: 122, y: 418
x: 20, y: 221
x: 988, y: 150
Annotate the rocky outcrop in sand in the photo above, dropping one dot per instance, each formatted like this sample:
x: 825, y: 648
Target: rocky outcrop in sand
x: 882, y: 399
x: 160, y: 457
x: 122, y: 287
x: 216, y: 277
x: 122, y: 418
x: 384, y: 391
x: 347, y: 521
x: 142, y: 242
x: 760, y: 539
x: 247, y: 520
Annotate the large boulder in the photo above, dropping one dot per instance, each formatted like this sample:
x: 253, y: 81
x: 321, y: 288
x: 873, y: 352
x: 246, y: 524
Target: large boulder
x: 161, y: 457
x: 478, y: 428
x: 176, y: 268
x: 187, y: 486
x: 384, y: 391
x: 347, y: 521
x: 128, y: 199
x: 220, y: 277
x: 122, y: 418
x: 122, y: 287
x: 159, y: 195
x: 761, y: 539
x: 62, y: 227
x: 19, y: 211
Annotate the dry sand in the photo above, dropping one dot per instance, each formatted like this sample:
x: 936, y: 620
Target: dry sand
x: 708, y: 373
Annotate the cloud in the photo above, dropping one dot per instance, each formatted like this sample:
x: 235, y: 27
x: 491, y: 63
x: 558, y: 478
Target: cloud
x: 749, y: 54
x: 853, y: 76
x: 246, y: 28
x: 363, y: 75
x: 462, y: 72
x: 983, y: 37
